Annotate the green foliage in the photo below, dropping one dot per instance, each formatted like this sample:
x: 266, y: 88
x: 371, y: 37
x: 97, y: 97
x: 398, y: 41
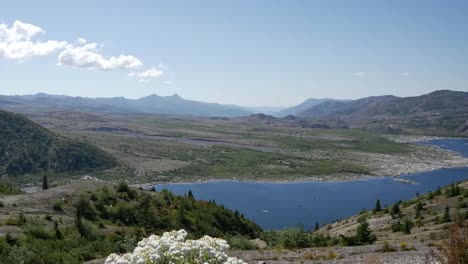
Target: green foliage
x: 6, y: 188
x: 386, y: 247
x: 62, y: 244
x: 430, y: 195
x: 45, y: 183
x: 378, y: 207
x: 446, y: 216
x: 221, y: 161
x: 297, y: 238
x: 453, y: 190
x: 419, y: 208
x: 34, y: 149
x: 404, y: 227
x: 395, y: 210
x: 89, y: 239
x: 57, y: 205
x: 363, y: 235
x: 241, y: 243
x: 159, y: 212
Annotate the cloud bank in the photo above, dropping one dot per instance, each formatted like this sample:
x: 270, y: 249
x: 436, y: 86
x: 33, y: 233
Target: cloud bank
x: 87, y: 56
x: 151, y: 73
x: 18, y: 42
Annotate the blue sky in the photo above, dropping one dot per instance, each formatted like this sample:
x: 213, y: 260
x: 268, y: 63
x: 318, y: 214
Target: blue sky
x: 255, y: 53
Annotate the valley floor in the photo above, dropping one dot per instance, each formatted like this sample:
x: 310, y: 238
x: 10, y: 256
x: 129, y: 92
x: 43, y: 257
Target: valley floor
x: 155, y: 148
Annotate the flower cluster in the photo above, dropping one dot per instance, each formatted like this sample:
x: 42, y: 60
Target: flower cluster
x: 172, y: 248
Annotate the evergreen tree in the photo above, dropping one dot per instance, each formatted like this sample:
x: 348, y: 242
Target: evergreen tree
x: 407, y: 225
x: 190, y: 194
x: 446, y: 217
x: 364, y: 234
x: 317, y: 226
x: 430, y: 196
x: 378, y: 207
x: 419, y: 206
x: 58, y: 233
x: 79, y: 222
x: 45, y: 183
x: 395, y: 210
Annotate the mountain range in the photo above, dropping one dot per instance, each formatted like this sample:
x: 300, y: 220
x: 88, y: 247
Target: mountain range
x: 174, y: 105
x: 440, y: 110
x: 311, y: 102
x: 443, y: 109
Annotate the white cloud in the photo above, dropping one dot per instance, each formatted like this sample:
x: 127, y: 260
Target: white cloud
x: 405, y: 74
x: 360, y: 74
x: 16, y: 42
x: 151, y: 73
x: 170, y: 83
x: 81, y: 41
x: 19, y: 42
x: 87, y: 56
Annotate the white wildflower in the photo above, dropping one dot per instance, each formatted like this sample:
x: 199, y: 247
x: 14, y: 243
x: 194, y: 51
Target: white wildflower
x: 172, y: 247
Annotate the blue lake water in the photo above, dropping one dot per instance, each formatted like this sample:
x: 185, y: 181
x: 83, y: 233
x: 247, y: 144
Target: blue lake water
x: 281, y: 205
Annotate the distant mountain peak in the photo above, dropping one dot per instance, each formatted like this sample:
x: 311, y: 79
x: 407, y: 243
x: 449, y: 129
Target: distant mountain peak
x: 172, y: 104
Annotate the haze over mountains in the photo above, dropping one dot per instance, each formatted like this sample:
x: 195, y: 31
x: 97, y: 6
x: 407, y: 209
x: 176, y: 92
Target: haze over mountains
x: 440, y: 110
x: 174, y: 104
x: 311, y: 102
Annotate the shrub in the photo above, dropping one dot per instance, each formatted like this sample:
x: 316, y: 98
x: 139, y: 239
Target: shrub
x: 363, y: 236
x: 331, y: 255
x: 240, y: 242
x: 386, y: 247
x: 58, y: 205
x: 404, y: 227
x: 454, y: 250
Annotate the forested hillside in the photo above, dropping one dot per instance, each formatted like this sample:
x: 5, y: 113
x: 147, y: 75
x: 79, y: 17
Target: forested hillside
x: 26, y: 147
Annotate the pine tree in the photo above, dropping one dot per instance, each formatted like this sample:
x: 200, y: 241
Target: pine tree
x: 430, y: 196
x: 45, y: 183
x: 79, y: 222
x: 446, y: 217
x: 378, y: 207
x: 395, y: 210
x: 58, y: 233
x: 364, y: 234
x: 190, y: 194
x: 317, y: 226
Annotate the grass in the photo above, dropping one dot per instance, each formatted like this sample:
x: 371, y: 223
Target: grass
x: 6, y: 188
x: 220, y: 162
x: 242, y: 150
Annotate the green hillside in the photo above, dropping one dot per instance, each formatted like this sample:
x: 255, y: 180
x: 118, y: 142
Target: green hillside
x: 26, y: 147
x: 90, y: 222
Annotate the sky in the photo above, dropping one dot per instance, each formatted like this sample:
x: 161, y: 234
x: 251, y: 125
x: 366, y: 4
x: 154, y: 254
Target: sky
x: 245, y: 52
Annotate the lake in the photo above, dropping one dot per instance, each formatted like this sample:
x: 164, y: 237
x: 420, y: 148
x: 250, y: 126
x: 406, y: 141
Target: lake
x: 281, y: 205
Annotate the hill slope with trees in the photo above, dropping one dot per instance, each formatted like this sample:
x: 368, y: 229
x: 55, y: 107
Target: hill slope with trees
x: 26, y: 147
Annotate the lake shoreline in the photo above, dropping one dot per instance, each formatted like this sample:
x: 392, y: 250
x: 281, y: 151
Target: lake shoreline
x: 452, y: 159
x: 332, y: 179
